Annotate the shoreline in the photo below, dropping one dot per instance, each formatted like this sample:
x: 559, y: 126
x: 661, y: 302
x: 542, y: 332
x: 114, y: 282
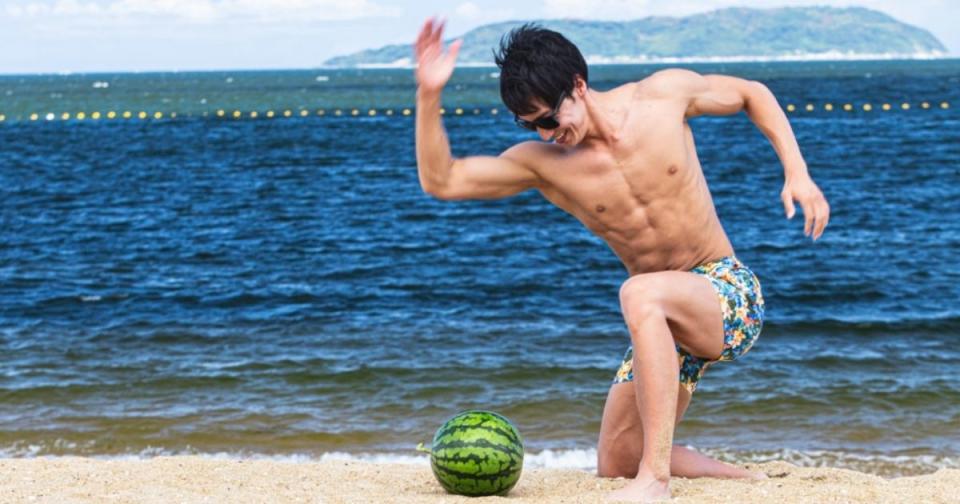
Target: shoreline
x: 201, y: 479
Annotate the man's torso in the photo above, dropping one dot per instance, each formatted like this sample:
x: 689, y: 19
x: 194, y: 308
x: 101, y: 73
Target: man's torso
x: 646, y: 195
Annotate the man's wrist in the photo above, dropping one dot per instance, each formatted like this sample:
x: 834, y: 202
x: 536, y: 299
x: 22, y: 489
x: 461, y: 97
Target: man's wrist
x: 795, y: 170
x: 428, y: 96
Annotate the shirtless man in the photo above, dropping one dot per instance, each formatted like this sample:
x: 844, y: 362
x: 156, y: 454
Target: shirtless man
x: 624, y: 163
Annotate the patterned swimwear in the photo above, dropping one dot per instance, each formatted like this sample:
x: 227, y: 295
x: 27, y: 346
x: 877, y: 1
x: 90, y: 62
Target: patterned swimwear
x: 741, y: 303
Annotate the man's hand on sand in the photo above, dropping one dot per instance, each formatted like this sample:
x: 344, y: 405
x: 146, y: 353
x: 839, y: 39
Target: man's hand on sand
x: 816, y: 210
x: 434, y: 67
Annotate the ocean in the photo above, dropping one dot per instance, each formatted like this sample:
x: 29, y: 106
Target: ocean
x: 246, y: 266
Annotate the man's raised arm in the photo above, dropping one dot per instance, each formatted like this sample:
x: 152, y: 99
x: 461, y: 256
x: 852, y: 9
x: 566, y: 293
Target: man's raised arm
x: 441, y: 175
x: 724, y: 95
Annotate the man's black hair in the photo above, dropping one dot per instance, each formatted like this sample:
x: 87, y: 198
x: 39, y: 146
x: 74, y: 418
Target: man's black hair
x: 536, y: 64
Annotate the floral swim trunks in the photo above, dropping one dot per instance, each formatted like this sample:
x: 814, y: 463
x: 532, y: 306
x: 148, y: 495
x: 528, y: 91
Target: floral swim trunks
x: 741, y: 303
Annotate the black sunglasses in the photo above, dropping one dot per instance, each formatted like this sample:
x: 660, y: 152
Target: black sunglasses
x: 547, y: 122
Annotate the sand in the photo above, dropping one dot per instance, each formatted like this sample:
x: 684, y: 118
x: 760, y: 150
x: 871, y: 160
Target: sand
x: 197, y: 479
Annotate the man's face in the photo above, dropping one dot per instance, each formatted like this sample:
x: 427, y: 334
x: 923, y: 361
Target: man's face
x: 556, y: 123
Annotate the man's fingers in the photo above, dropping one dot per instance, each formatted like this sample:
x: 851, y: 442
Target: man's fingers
x: 808, y: 216
x: 787, y: 199
x: 823, y: 217
x: 424, y: 32
x: 437, y: 35
x: 454, y: 51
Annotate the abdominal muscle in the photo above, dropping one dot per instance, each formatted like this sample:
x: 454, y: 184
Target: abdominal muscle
x: 656, y: 218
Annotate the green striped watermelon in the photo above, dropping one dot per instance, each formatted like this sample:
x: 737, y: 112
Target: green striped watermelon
x: 477, y: 453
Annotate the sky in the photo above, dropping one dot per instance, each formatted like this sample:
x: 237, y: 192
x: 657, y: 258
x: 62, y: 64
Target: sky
x: 147, y: 35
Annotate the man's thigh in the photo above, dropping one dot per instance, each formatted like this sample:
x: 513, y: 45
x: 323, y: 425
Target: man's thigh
x: 688, y: 301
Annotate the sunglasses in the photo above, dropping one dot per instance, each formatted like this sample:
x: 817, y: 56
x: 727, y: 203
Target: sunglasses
x: 547, y: 122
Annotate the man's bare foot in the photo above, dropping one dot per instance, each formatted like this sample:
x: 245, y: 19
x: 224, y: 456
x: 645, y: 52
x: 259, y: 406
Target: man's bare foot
x: 644, y: 488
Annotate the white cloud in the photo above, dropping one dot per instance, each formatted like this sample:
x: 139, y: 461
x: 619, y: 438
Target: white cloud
x: 470, y: 12
x: 467, y: 10
x: 596, y: 9
x: 202, y: 11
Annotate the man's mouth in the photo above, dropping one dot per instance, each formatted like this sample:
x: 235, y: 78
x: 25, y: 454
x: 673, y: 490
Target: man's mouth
x: 560, y: 138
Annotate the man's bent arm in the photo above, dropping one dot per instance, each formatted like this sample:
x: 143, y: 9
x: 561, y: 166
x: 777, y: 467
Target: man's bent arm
x: 434, y: 161
x: 440, y: 174
x: 473, y: 177
x: 724, y: 95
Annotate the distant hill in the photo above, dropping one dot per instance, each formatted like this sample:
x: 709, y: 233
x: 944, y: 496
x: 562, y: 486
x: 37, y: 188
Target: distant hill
x: 734, y: 33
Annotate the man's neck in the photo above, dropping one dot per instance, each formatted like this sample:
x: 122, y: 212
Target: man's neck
x: 605, y: 120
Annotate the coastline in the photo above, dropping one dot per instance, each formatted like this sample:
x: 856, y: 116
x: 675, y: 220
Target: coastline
x: 205, y: 479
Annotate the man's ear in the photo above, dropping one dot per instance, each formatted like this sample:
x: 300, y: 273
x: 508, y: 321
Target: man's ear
x: 579, y: 86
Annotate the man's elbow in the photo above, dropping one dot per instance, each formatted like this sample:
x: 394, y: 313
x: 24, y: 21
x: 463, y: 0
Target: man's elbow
x: 439, y: 191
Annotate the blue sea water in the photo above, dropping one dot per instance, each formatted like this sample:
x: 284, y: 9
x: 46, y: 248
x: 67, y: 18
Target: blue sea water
x: 283, y: 287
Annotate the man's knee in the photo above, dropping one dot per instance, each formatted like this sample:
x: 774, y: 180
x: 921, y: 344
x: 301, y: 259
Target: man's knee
x: 618, y: 456
x: 641, y: 293
x: 614, y: 463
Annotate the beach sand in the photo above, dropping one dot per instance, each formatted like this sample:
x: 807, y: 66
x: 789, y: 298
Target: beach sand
x: 200, y: 479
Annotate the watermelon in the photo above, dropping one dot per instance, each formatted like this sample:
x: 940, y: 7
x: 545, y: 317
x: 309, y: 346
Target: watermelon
x: 477, y: 453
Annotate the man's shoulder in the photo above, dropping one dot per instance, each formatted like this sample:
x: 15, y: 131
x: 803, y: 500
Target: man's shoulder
x: 532, y: 152
x: 669, y: 82
x: 535, y: 155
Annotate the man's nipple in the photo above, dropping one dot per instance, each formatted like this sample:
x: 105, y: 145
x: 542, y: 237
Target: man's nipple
x: 601, y: 209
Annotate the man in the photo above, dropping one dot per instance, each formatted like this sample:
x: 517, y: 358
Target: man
x: 624, y: 163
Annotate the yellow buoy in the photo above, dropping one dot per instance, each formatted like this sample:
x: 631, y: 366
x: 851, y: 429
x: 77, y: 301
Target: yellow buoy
x: 221, y: 113
x: 3, y: 118
x: 253, y: 114
x: 809, y: 107
x: 905, y: 106
x: 95, y: 116
x: 287, y: 113
x: 127, y: 114
x: 828, y: 107
x: 494, y: 111
x: 944, y: 105
x: 459, y: 111
x: 791, y: 108
x: 389, y: 112
x: 65, y: 116
x: 237, y: 114
x: 867, y: 107
x: 50, y: 116
x: 34, y: 117
x: 111, y: 114
x: 443, y: 111
x: 925, y: 105
x: 270, y: 114
x: 142, y: 115
x: 173, y: 115
x: 848, y: 107
x: 886, y: 106
x: 81, y: 116
x: 158, y: 115
x: 338, y: 112
x: 476, y: 111
x: 354, y: 112
x: 372, y: 112
x: 406, y: 111
x: 304, y: 113
x: 321, y: 112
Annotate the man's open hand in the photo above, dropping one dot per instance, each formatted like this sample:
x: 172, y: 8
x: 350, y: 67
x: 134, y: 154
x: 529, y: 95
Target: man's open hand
x: 816, y: 210
x: 434, y: 67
